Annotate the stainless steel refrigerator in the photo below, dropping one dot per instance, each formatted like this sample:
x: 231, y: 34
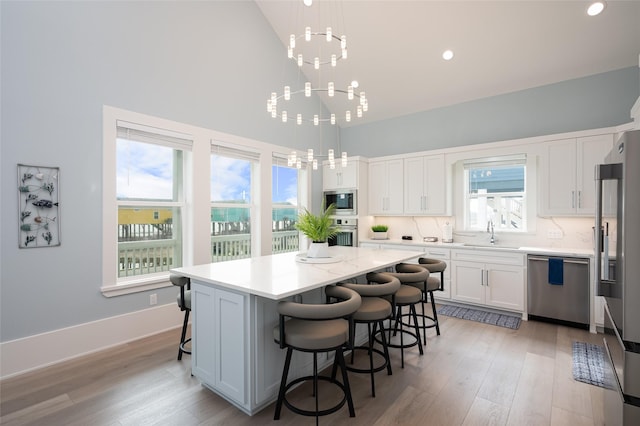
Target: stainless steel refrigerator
x: 617, y: 271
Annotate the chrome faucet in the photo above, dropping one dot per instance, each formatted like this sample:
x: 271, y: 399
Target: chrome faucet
x: 490, y: 227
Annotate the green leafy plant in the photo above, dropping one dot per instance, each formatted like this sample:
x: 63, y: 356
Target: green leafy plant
x: 379, y: 228
x: 318, y: 228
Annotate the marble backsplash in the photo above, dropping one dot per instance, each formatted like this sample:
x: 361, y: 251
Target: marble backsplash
x: 553, y: 232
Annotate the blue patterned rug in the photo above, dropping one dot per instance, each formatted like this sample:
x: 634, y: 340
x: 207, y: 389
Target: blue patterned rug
x: 588, y: 363
x: 492, y: 318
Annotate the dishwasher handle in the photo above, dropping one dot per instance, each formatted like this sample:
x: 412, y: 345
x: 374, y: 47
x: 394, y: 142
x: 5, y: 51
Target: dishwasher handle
x: 570, y: 260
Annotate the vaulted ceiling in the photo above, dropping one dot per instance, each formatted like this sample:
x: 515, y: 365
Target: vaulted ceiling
x: 395, y: 47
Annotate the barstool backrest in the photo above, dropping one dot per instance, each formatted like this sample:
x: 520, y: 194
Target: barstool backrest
x: 384, y: 285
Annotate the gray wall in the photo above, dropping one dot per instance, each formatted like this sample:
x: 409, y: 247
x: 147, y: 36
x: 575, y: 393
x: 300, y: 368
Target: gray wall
x: 211, y: 64
x: 592, y: 102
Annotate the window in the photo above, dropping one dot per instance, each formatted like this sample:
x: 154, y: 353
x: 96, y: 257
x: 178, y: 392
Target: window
x: 232, y: 195
x: 494, y: 191
x: 150, y: 198
x: 284, y: 198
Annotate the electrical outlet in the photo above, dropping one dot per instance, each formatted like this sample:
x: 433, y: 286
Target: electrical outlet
x: 153, y: 299
x: 554, y: 234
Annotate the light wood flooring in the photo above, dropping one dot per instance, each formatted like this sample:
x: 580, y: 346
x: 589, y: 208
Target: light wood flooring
x: 473, y: 374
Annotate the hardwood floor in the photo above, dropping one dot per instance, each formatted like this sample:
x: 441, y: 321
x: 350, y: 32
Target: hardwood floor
x: 473, y: 374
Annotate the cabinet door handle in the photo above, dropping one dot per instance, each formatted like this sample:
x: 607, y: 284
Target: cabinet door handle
x: 573, y: 199
x: 481, y: 276
x: 486, y: 281
x: 579, y: 199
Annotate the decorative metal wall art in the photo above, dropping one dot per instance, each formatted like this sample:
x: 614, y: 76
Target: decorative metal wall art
x: 38, y: 209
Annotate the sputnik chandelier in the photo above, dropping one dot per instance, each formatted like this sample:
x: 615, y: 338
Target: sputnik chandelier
x: 279, y: 105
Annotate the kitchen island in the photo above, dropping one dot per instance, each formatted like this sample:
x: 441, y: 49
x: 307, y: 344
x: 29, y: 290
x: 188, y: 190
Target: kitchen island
x: 234, y: 312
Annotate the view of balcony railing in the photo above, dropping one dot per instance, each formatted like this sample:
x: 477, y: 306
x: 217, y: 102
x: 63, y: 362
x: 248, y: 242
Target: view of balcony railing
x: 157, y: 255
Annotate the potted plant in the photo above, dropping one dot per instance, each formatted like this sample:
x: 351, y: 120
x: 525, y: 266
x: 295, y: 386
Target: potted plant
x: 318, y: 229
x: 379, y: 232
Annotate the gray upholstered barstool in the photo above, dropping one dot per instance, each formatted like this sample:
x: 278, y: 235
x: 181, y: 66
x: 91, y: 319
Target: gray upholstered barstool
x: 317, y: 328
x: 405, y: 296
x: 434, y: 266
x: 184, y: 302
x: 374, y: 310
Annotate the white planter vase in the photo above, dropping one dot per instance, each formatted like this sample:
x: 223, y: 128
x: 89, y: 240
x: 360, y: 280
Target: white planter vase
x: 318, y: 250
x: 379, y: 235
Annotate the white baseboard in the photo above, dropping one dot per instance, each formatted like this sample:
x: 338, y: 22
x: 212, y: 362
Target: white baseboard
x: 30, y: 353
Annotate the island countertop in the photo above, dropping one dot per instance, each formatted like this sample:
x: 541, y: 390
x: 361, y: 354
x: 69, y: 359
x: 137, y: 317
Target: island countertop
x: 280, y: 275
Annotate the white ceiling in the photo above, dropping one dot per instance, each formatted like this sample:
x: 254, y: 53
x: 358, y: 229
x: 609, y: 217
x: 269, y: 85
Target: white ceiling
x: 395, y: 47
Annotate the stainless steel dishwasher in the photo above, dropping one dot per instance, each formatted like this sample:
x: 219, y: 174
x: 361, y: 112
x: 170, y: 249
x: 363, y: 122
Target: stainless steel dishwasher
x: 558, y: 290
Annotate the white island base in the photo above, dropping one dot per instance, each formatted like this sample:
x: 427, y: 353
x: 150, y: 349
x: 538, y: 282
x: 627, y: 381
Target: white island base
x: 234, y: 312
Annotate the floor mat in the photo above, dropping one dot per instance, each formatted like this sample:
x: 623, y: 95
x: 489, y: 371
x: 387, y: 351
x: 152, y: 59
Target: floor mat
x: 588, y: 363
x: 500, y: 320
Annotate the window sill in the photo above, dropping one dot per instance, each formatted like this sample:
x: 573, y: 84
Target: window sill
x: 136, y: 285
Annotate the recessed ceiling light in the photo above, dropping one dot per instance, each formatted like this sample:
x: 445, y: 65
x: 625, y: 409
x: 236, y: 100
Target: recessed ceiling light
x: 307, y: 2
x: 447, y: 55
x: 355, y: 84
x: 595, y: 8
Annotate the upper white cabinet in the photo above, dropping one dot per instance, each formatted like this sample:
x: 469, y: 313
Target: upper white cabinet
x: 386, y: 187
x: 567, y: 174
x: 425, y: 185
x: 340, y: 177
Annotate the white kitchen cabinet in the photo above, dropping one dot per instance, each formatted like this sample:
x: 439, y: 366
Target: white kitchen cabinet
x: 340, y: 177
x: 489, y: 278
x: 386, y: 187
x: 425, y: 185
x: 220, y: 353
x: 567, y: 174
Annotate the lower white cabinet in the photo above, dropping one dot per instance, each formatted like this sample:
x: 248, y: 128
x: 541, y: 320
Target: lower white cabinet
x: 233, y: 349
x: 488, y: 278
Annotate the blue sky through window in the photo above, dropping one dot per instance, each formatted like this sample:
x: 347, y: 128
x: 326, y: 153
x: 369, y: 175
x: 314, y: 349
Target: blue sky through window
x: 144, y: 171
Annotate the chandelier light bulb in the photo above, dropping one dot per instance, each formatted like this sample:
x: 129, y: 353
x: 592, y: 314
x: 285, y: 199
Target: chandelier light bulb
x: 287, y: 93
x: 316, y: 120
x: 269, y: 107
x: 284, y: 116
x: 316, y: 63
x: 363, y: 98
x: 307, y: 34
x: 359, y: 111
x: 310, y: 154
x: 333, y: 119
x: 328, y: 34
x: 292, y: 41
x: 347, y: 116
x: 343, y: 42
x: 274, y: 112
x: 331, y: 89
x: 344, y: 53
x: 344, y: 159
x: 307, y: 89
x: 332, y: 165
x: 299, y: 119
x: 274, y: 98
x: 365, y: 107
x: 299, y: 164
x: 350, y: 93
x: 331, y: 155
x: 334, y: 60
x: 289, y: 52
x: 315, y: 164
x: 300, y: 61
x: 293, y: 157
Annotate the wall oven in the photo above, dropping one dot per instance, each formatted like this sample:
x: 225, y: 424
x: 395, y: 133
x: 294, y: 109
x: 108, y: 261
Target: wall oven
x: 346, y: 201
x: 348, y: 235
x: 617, y: 268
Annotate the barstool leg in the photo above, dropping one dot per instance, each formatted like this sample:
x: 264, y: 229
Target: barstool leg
x: 373, y: 385
x: 412, y: 310
x: 283, y: 384
x: 435, y: 314
x: 184, y: 333
x: 385, y: 347
x: 345, y: 382
x: 425, y: 297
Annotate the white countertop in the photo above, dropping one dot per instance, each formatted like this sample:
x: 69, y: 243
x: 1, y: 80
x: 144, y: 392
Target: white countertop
x: 279, y: 276
x: 553, y: 251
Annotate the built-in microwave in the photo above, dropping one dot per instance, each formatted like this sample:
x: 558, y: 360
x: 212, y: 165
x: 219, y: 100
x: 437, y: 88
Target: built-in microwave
x: 346, y: 201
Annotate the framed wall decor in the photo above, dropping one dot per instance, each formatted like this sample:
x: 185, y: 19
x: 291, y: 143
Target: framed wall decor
x: 38, y: 206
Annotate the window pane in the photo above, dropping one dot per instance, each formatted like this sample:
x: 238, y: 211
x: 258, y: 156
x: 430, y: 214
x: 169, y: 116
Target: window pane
x: 230, y: 233
x: 496, y: 179
x: 285, y: 209
x: 149, y: 240
x: 230, y: 180
x: 145, y: 171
